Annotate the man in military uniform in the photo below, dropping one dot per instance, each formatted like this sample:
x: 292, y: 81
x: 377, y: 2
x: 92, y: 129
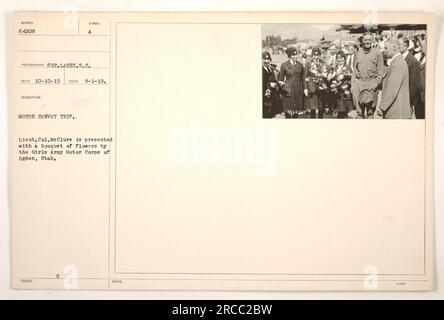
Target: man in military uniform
x: 368, y: 72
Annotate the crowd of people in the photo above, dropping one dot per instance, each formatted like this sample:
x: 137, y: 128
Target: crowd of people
x: 380, y: 77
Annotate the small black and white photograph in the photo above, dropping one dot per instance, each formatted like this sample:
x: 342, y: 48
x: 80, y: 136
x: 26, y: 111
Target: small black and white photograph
x: 343, y: 71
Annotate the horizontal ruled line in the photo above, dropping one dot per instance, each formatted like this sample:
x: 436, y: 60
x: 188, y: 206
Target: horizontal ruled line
x: 63, y: 51
x: 231, y: 279
x: 43, y: 67
x: 65, y: 84
x: 65, y: 35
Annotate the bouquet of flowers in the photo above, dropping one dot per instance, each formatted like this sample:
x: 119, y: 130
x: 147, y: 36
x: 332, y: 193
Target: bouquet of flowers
x: 316, y: 77
x: 340, y: 79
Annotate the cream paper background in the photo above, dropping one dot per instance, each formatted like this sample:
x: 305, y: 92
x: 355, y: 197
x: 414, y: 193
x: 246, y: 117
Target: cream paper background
x: 332, y: 204
x: 343, y: 195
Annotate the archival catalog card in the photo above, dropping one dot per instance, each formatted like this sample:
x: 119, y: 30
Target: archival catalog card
x: 222, y: 151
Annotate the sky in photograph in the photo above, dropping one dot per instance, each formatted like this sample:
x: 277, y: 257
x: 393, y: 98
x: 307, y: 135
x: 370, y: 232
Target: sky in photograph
x: 300, y: 31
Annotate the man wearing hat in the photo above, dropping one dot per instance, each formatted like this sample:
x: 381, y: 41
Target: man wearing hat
x: 291, y: 84
x: 367, y: 74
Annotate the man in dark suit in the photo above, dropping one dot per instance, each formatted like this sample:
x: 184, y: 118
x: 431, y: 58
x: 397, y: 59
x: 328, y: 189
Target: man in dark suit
x: 350, y: 60
x: 414, y: 77
x: 422, y: 66
x: 350, y: 63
